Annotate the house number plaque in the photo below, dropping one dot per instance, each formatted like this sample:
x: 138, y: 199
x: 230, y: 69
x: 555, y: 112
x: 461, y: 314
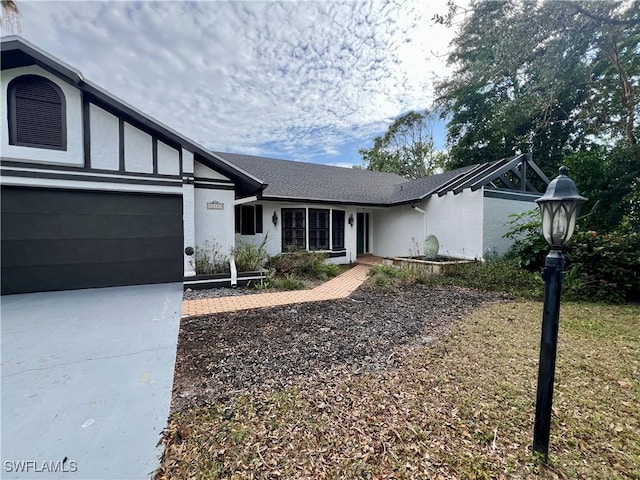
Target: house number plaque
x: 215, y: 205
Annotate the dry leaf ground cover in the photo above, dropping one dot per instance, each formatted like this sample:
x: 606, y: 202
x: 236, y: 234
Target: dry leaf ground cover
x: 437, y: 393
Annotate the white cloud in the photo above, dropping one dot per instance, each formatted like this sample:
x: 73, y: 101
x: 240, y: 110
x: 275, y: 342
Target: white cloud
x: 301, y: 79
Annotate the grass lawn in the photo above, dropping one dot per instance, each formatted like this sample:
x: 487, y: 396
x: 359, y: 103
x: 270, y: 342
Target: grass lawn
x: 461, y: 407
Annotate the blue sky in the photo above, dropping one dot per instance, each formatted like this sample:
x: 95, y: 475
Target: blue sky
x: 301, y: 80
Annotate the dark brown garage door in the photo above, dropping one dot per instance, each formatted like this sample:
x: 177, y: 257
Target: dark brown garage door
x: 66, y: 239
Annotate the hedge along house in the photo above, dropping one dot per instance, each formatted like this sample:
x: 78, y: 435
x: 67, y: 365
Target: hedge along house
x: 350, y: 212
x: 95, y: 193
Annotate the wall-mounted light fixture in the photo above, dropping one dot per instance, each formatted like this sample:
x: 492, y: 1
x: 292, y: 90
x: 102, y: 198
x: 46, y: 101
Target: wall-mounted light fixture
x: 274, y: 219
x: 351, y: 220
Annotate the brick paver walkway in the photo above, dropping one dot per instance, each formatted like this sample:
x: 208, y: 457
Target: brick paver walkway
x: 339, y: 287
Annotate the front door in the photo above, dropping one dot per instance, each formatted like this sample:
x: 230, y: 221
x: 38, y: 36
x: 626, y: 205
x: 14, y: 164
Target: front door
x: 363, y: 233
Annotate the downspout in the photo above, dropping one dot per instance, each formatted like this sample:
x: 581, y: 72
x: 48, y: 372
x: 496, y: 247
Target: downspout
x: 232, y: 260
x: 424, y: 224
x: 234, y: 272
x: 242, y: 201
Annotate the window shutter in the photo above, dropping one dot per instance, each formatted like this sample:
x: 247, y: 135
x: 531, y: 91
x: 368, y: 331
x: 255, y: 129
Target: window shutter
x: 259, y: 228
x: 38, y: 113
x: 238, y: 216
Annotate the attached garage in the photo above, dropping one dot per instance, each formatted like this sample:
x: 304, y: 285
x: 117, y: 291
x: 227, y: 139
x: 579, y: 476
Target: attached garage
x: 57, y: 239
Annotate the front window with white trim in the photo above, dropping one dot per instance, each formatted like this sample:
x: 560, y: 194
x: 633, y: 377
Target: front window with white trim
x: 315, y: 229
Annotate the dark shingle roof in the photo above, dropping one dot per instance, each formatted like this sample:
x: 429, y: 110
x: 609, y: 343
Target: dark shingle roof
x: 309, y: 181
x: 423, y: 187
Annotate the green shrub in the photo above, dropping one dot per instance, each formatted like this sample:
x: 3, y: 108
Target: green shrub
x: 248, y: 256
x: 603, y: 267
x: 303, y: 264
x: 289, y: 282
x: 530, y: 247
x: 599, y: 267
x: 209, y: 259
x: 496, y: 274
x: 384, y: 275
x: 499, y: 274
x: 502, y: 275
x: 388, y: 271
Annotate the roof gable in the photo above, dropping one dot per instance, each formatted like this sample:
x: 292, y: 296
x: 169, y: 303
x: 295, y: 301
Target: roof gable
x: 16, y: 52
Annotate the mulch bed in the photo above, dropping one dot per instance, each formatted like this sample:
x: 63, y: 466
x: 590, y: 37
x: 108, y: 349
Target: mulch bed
x: 226, y: 355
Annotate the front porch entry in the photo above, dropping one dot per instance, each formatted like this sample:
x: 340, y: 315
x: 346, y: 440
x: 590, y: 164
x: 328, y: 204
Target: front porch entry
x: 362, y: 225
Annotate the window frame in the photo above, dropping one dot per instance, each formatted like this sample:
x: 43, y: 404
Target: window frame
x: 12, y: 107
x: 319, y: 233
x: 335, y: 228
x: 339, y: 228
x: 285, y: 246
x: 252, y: 215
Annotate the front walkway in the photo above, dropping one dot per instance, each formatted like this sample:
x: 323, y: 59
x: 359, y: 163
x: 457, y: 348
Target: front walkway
x: 339, y: 287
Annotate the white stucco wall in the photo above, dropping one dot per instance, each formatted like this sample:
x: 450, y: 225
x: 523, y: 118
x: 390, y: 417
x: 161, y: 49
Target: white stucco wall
x: 188, y: 212
x: 74, y: 154
x: 188, y: 225
x: 138, y: 150
x: 105, y: 139
x: 397, y: 231
x: 187, y: 161
x: 214, y: 226
x: 496, y: 217
x: 273, y: 233
x: 457, y: 222
x: 168, y: 160
x: 202, y: 171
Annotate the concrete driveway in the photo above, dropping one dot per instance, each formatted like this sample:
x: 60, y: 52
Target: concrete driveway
x: 86, y: 381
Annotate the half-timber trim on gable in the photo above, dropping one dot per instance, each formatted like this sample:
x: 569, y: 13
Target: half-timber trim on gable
x: 17, y: 53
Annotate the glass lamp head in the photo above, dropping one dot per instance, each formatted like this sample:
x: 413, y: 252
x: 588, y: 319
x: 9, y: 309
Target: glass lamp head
x: 559, y: 207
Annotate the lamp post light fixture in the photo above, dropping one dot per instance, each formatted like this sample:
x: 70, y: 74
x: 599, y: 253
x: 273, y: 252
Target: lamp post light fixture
x: 559, y: 208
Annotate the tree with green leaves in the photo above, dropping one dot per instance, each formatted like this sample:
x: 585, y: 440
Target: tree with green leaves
x: 9, y: 15
x: 555, y: 77
x: 406, y: 148
x: 548, y: 76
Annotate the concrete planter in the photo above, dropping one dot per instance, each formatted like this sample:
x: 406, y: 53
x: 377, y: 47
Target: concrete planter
x: 430, y: 267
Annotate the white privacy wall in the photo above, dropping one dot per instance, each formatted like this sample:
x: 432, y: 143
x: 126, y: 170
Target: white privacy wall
x: 496, y: 217
x: 74, y: 154
x: 457, y: 222
x: 397, y: 232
